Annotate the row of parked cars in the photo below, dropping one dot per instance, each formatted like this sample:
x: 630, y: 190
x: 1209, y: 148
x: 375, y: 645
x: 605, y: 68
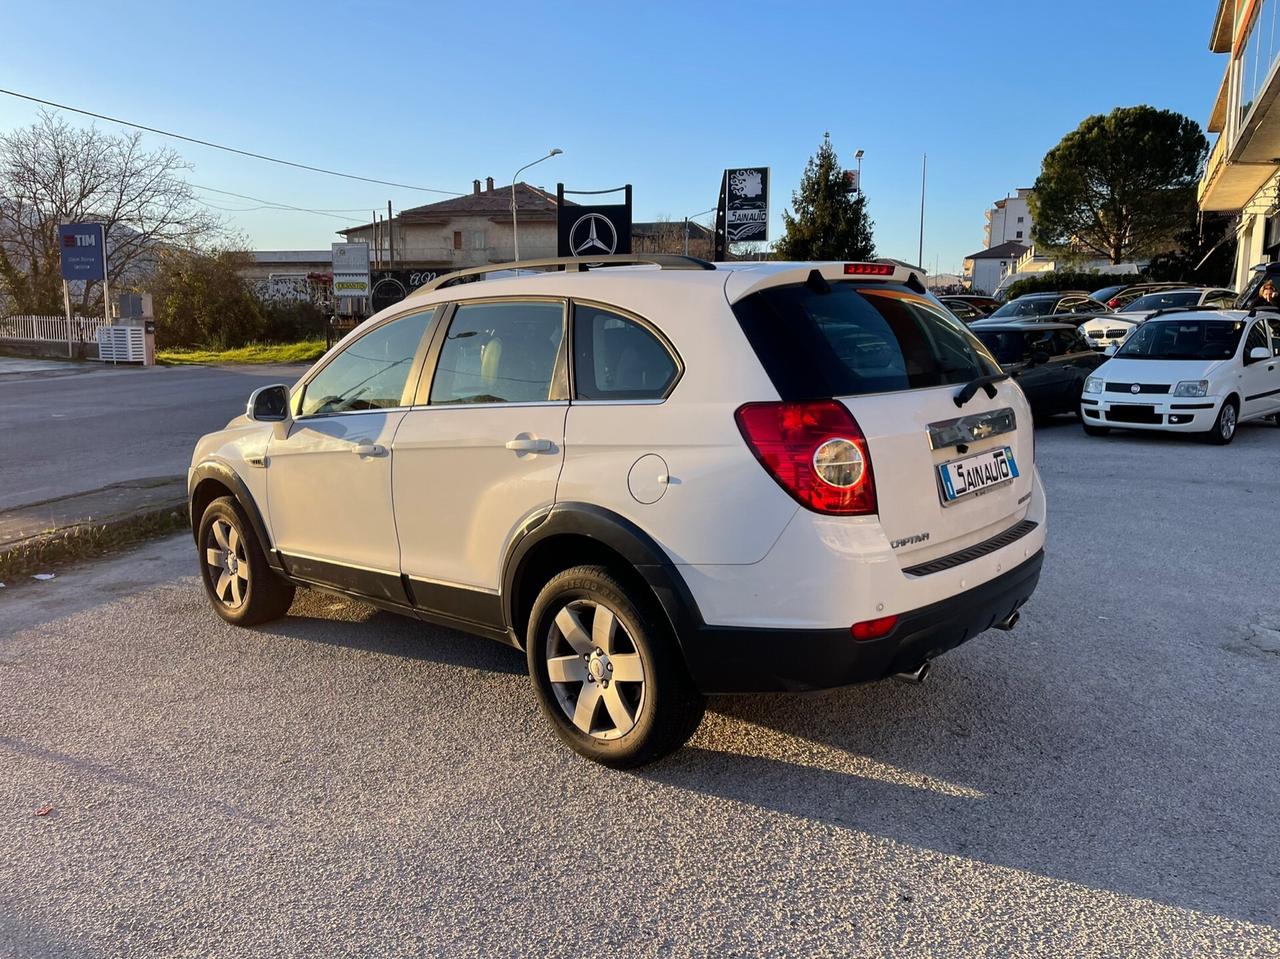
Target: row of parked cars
x: 1150, y: 356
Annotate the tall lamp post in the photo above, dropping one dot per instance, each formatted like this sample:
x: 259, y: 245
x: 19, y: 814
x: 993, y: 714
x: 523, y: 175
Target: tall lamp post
x: 515, y: 231
x: 686, y: 226
x: 858, y: 156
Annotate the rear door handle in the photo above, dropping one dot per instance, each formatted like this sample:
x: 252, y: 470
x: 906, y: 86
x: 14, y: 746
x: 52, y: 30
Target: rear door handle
x: 529, y: 446
x: 369, y: 449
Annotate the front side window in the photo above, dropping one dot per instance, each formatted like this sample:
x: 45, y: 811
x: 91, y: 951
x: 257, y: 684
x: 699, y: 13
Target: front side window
x: 1161, y: 301
x: 1005, y: 345
x: 1025, y: 306
x: 616, y: 358
x: 505, y: 352
x: 857, y: 339
x: 372, y: 373
x: 1257, y: 338
x: 1275, y: 335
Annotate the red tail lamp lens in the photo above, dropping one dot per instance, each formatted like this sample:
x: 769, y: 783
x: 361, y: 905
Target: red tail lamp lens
x: 868, y: 269
x: 874, y: 628
x: 815, y: 451
x: 1113, y: 302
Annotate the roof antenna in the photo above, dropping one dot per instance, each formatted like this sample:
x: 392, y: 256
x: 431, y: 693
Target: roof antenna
x: 817, y: 282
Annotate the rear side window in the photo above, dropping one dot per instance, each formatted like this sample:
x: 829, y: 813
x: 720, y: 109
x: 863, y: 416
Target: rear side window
x: 501, y: 353
x: 616, y: 358
x: 1275, y: 336
x: 857, y: 339
x: 1257, y: 337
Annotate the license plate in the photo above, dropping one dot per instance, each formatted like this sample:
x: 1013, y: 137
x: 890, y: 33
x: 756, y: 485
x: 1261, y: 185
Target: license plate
x: 973, y: 474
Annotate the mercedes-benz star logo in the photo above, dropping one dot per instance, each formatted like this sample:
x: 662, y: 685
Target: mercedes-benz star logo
x: 593, y: 233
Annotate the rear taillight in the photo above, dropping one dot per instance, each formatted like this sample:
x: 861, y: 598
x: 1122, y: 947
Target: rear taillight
x: 873, y: 628
x: 1113, y: 302
x: 815, y: 451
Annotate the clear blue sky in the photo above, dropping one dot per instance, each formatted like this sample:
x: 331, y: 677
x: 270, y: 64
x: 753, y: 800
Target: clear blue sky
x: 662, y: 95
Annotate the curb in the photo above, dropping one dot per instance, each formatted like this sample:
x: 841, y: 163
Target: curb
x: 85, y: 540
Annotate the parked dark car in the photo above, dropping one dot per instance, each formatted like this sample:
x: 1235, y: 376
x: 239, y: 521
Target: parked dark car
x: 1050, y: 361
x: 962, y: 309
x: 1119, y: 296
x: 986, y: 305
x: 1048, y: 304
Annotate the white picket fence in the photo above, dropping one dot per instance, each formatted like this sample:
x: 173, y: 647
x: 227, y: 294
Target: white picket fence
x: 84, y: 329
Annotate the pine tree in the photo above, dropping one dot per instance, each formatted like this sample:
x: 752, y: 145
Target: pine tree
x: 830, y: 221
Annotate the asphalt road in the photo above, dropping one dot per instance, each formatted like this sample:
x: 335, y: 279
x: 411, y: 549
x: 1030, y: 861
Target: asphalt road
x: 78, y: 427
x: 1100, y: 782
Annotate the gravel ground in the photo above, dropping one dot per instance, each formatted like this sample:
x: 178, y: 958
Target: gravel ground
x: 1100, y: 782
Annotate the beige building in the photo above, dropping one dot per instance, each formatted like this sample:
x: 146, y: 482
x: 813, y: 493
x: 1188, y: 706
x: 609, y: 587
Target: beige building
x: 1242, y: 174
x: 471, y: 230
x: 1008, y: 220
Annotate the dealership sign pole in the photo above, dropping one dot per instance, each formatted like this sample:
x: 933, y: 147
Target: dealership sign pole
x: 84, y: 257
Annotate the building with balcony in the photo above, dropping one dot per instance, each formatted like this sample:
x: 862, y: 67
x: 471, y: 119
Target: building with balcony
x: 1008, y: 220
x: 1242, y: 174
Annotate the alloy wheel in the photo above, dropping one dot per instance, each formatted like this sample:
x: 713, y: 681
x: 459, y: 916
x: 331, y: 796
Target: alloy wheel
x: 595, y: 669
x: 228, y: 564
x: 1228, y: 421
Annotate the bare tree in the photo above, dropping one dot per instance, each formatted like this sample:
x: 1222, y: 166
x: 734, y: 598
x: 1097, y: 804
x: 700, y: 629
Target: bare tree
x: 52, y: 172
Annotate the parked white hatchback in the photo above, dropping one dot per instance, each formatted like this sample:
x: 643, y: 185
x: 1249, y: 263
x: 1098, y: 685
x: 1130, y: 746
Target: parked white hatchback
x: 660, y: 481
x: 1197, y: 371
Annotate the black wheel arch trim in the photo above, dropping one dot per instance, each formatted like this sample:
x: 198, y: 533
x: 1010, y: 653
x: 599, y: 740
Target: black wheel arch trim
x: 620, y: 535
x: 214, y: 470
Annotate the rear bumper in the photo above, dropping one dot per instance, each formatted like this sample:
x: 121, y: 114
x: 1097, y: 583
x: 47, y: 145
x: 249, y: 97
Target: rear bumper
x: 728, y: 659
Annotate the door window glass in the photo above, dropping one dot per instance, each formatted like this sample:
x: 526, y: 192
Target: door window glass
x: 618, y: 359
x: 1257, y: 337
x: 500, y: 353
x: 1275, y: 335
x: 369, y: 374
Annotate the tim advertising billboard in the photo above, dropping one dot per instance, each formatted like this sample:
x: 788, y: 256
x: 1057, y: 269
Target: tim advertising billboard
x: 84, y: 251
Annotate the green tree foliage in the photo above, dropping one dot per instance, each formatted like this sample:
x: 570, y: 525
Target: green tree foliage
x: 1205, y: 254
x: 1119, y: 186
x: 201, y: 299
x: 1055, y: 281
x: 830, y: 220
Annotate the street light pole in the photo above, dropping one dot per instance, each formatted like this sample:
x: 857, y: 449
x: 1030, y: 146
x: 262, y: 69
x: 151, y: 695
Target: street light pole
x: 924, y: 167
x: 515, y: 233
x: 686, y: 226
x: 858, y: 156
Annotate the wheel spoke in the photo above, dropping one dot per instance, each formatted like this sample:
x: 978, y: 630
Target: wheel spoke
x: 233, y: 541
x: 224, y: 583
x: 619, y: 711
x: 585, y: 712
x: 237, y: 596
x: 626, y: 668
x: 220, y: 533
x: 603, y: 628
x: 567, y: 669
x: 216, y: 558
x: 570, y: 627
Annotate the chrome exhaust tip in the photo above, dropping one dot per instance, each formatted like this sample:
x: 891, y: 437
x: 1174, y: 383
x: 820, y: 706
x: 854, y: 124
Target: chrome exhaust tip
x: 916, y: 676
x: 1009, y: 621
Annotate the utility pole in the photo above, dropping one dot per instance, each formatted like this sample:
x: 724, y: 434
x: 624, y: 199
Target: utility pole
x: 924, y: 167
x: 391, y: 240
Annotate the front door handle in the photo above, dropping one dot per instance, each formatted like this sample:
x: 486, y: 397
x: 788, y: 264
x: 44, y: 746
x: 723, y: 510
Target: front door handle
x: 529, y: 446
x: 369, y: 449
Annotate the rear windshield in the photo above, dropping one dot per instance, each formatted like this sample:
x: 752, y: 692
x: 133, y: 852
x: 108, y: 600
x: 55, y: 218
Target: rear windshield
x: 1159, y: 301
x: 857, y: 339
x: 1183, y: 340
x: 1026, y: 306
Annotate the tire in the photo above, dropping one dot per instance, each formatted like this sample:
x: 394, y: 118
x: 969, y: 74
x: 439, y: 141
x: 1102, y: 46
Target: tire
x: 586, y: 626
x: 1224, y: 427
x: 1091, y: 430
x: 244, y: 591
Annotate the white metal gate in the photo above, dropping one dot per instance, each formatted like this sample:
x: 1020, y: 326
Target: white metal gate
x: 121, y: 344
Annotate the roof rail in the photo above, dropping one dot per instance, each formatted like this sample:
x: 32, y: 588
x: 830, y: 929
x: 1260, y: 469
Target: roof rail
x: 1197, y: 308
x: 667, y: 261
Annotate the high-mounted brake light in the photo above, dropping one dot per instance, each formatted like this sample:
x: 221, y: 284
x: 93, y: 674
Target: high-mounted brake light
x: 868, y: 269
x: 815, y: 451
x: 1113, y: 302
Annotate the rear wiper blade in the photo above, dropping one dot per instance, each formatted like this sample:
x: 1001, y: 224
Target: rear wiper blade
x: 987, y: 383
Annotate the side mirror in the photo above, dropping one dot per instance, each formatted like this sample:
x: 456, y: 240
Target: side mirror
x: 268, y: 404
x: 1110, y: 350
x: 1259, y: 353
x: 1039, y: 358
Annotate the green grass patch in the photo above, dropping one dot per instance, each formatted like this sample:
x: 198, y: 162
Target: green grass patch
x: 308, y: 351
x: 64, y: 546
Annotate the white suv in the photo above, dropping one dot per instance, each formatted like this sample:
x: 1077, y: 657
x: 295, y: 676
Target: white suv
x: 660, y: 481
